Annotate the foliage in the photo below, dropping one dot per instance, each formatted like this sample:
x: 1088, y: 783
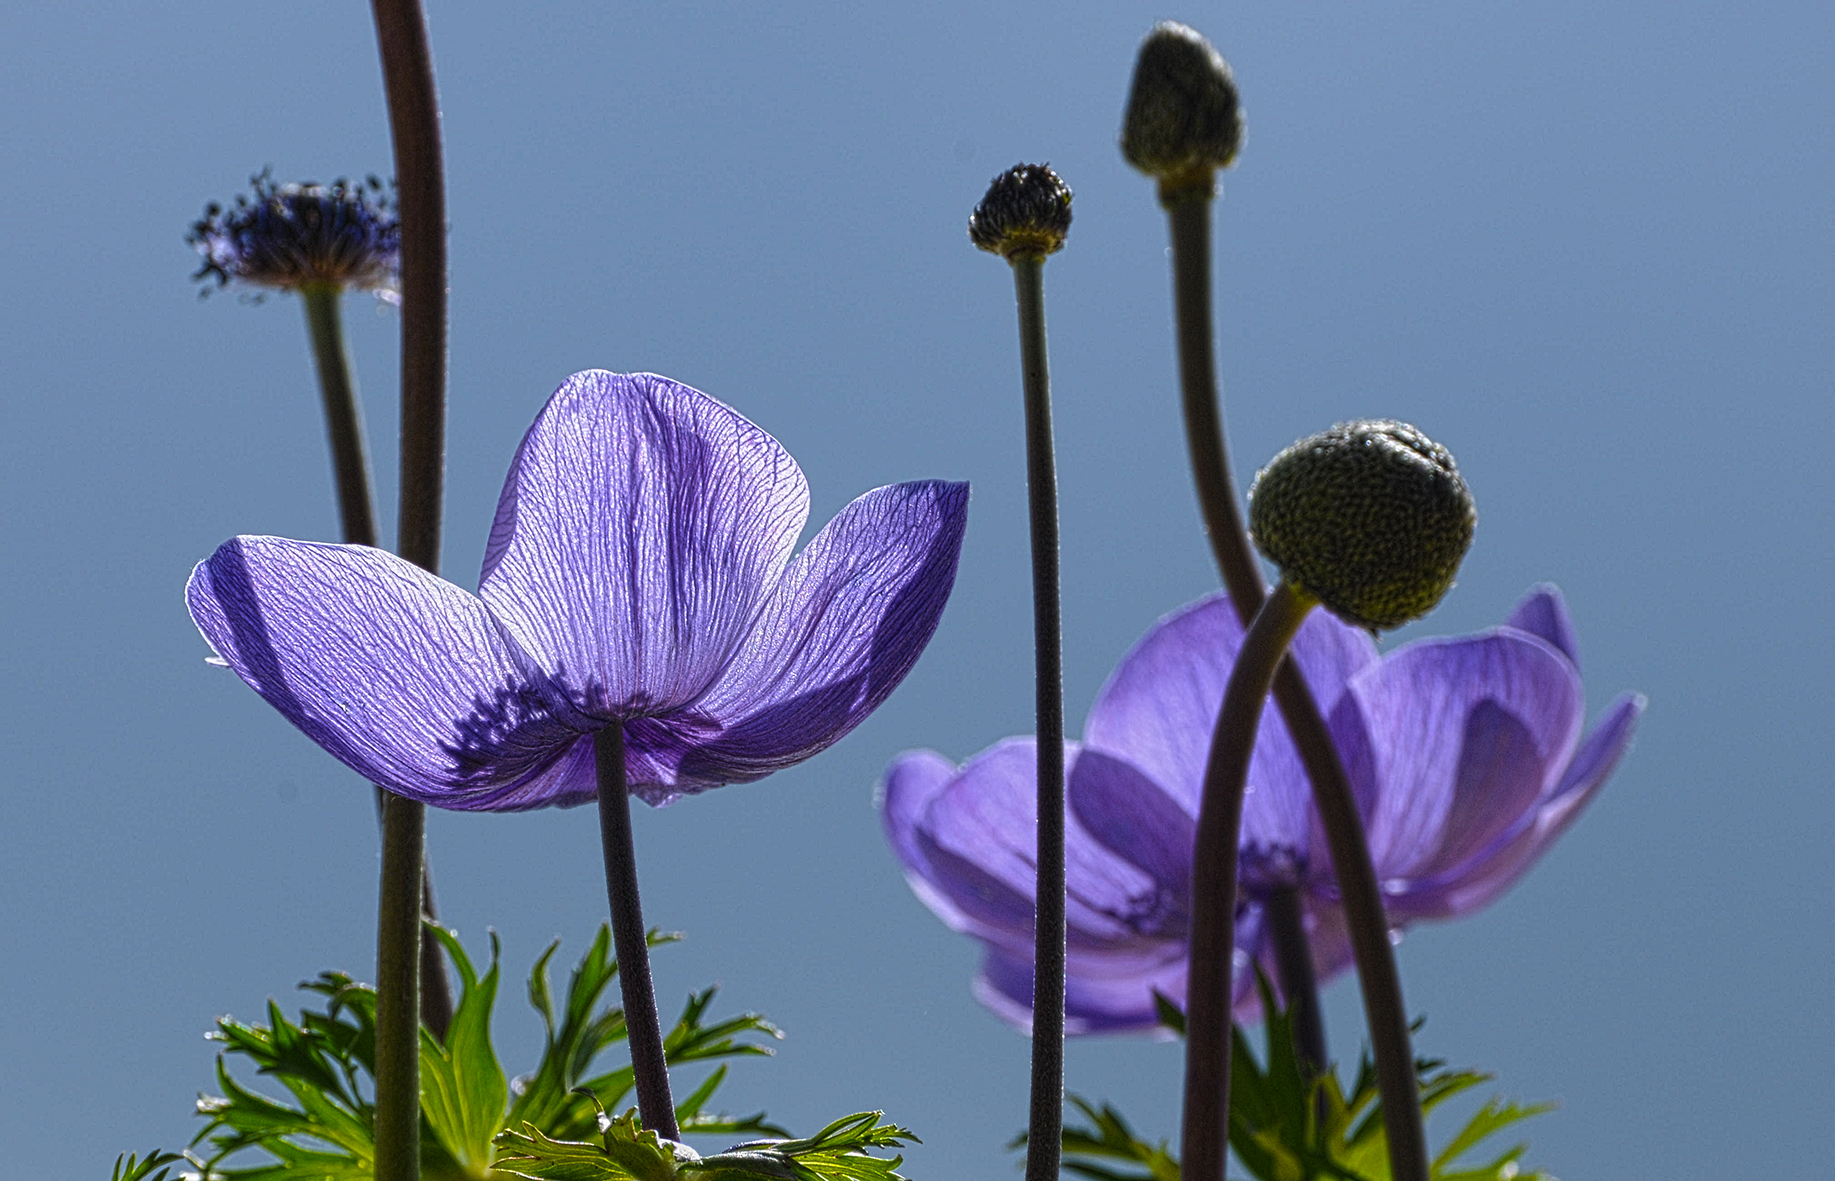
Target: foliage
x: 1285, y: 1126
x: 625, y: 1151
x: 325, y: 1063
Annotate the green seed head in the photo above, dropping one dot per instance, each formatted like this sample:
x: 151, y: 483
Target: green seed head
x: 1026, y: 212
x: 1183, y: 121
x: 1371, y: 518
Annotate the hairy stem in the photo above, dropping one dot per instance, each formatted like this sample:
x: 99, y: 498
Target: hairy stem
x: 1189, y: 216
x: 414, y: 120
x: 357, y: 515
x: 630, y: 941
x: 398, y: 928
x: 1045, y: 1124
x: 414, y: 125
x: 1205, y: 1129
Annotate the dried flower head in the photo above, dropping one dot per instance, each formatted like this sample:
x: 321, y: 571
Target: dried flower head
x: 298, y: 235
x: 1183, y: 122
x: 1026, y: 212
x: 1370, y: 517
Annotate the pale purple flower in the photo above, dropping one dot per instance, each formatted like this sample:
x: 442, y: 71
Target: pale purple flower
x: 639, y: 569
x: 1465, y: 753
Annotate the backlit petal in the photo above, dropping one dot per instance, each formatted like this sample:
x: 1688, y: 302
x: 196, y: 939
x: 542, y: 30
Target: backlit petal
x: 841, y: 629
x: 404, y: 677
x: 1496, y: 713
x: 640, y: 529
x: 1159, y: 708
x: 1482, y: 879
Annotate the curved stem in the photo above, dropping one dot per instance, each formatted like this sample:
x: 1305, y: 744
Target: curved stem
x: 414, y: 125
x: 1205, y: 1129
x: 414, y: 120
x: 1293, y: 962
x: 398, y: 928
x: 1391, y: 1045
x: 357, y: 515
x: 1189, y: 217
x: 1045, y: 1124
x: 630, y: 942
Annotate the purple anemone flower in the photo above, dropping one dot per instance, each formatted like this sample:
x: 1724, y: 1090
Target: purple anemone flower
x: 1465, y: 753
x: 639, y: 570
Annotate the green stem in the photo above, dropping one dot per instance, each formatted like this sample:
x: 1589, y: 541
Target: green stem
x: 1188, y: 213
x: 357, y: 514
x: 398, y: 927
x: 1046, y: 1120
x: 350, y: 463
x: 1205, y: 1128
x: 630, y: 941
x: 414, y: 125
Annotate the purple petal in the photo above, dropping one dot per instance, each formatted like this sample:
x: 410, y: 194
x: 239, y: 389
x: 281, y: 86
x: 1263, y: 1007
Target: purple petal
x: 1159, y: 708
x: 640, y: 529
x: 849, y: 618
x: 915, y: 779
x: 1095, y: 1001
x: 404, y: 677
x: 974, y: 844
x: 975, y: 849
x: 1485, y: 877
x: 1543, y: 612
x: 1127, y: 814
x: 1452, y: 717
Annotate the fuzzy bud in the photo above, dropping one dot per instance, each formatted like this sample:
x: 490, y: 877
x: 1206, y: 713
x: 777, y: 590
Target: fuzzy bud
x: 1026, y: 212
x: 1370, y: 517
x: 1183, y: 122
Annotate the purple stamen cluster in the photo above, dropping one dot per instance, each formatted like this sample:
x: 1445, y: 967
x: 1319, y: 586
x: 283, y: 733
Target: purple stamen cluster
x: 344, y: 234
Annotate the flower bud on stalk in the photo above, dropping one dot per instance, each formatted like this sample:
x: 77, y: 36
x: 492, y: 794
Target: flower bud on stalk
x: 1371, y: 519
x: 1024, y: 218
x: 1026, y: 212
x: 1183, y: 122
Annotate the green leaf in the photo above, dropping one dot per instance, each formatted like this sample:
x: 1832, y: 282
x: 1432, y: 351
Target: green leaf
x: 320, y: 1128
x: 156, y: 1167
x: 1286, y: 1127
x: 463, y: 1091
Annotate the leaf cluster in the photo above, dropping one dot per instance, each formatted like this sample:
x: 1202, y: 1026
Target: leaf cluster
x: 625, y: 1151
x: 1286, y: 1125
x: 323, y: 1130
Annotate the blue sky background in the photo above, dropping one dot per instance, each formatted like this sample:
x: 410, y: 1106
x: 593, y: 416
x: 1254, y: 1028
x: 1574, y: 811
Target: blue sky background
x: 1586, y: 246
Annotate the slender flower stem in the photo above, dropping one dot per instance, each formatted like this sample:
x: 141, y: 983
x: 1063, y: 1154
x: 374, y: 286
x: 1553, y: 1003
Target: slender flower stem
x: 414, y: 119
x: 414, y: 124
x: 398, y: 1100
x: 1046, y: 1122
x: 630, y: 940
x: 1205, y: 1130
x: 343, y: 420
x: 1293, y: 961
x: 357, y: 515
x: 1189, y: 216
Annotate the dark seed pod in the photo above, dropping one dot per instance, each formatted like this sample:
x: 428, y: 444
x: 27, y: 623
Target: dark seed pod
x: 1183, y: 121
x: 1026, y: 211
x: 1370, y: 517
